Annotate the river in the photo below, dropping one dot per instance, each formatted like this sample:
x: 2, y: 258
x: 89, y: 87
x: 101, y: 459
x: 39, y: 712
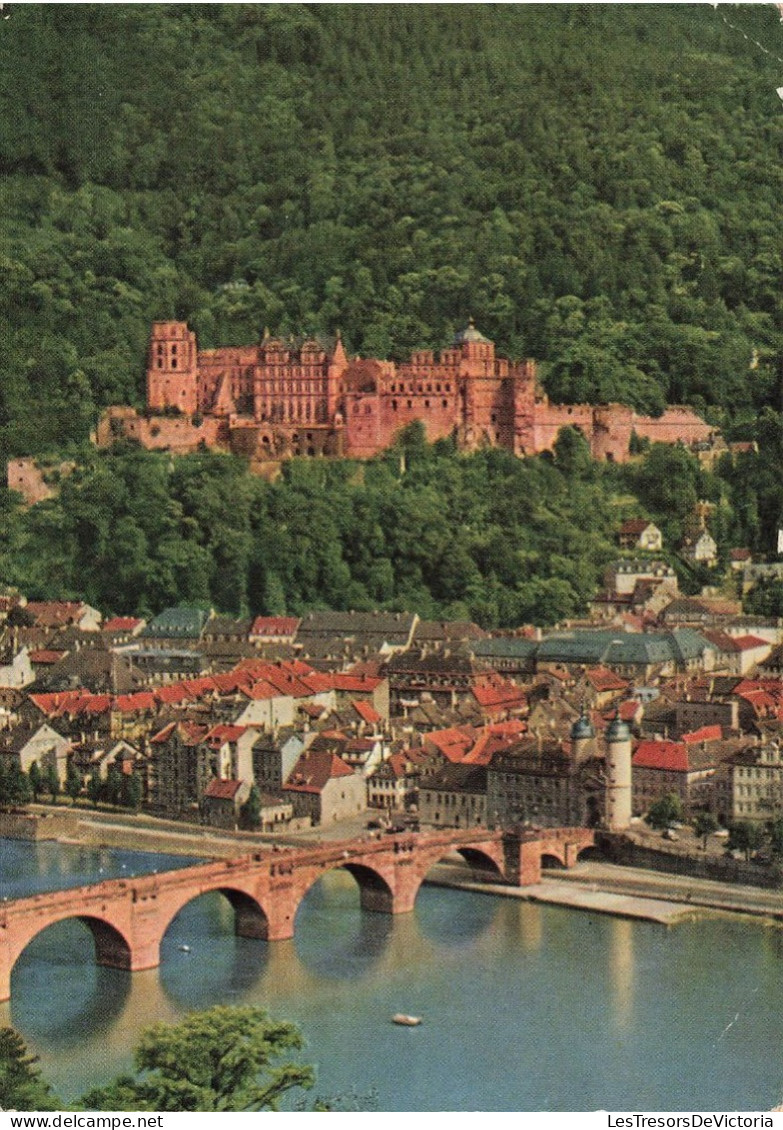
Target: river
x: 525, y: 1007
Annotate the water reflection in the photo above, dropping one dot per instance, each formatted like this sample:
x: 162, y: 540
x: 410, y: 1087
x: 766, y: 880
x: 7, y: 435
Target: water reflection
x: 57, y: 990
x: 525, y: 1007
x: 621, y: 965
x: 203, y: 962
x: 29, y: 868
x: 333, y: 937
x: 438, y: 923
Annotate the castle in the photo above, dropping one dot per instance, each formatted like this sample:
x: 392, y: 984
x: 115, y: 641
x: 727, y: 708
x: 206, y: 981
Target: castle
x: 278, y: 399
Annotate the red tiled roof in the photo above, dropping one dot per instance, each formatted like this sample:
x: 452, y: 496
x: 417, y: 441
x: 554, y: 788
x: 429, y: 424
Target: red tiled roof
x: 54, y: 613
x: 602, y: 679
x: 366, y: 712
x: 739, y: 554
x: 748, y: 643
x: 225, y: 732
x: 634, y: 526
x: 132, y: 703
x: 222, y: 790
x: 351, y: 684
x: 314, y: 769
x: 195, y: 688
x: 312, y: 709
x: 499, y: 695
x: 661, y: 755
x: 453, y: 743
x: 121, y: 624
x: 274, y: 626
x: 46, y: 657
x: 703, y: 734
x: 260, y: 690
x: 172, y: 694
x: 164, y: 734
x: 629, y: 709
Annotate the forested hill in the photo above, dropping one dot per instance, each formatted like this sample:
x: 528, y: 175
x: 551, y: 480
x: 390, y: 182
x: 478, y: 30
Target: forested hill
x: 598, y: 186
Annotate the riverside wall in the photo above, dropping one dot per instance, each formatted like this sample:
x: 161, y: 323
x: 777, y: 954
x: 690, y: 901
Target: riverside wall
x: 621, y: 849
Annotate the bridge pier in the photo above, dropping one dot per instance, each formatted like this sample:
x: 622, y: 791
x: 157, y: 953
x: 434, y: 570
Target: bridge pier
x: 128, y: 918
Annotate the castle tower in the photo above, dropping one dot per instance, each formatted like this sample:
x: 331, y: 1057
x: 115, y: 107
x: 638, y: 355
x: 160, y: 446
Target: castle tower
x: 172, y: 370
x: 618, y: 775
x: 335, y: 372
x: 582, y: 739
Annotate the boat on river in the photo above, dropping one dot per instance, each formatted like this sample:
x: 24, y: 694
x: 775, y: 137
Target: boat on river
x: 405, y: 1019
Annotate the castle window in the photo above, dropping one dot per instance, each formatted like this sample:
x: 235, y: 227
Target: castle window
x: 173, y: 362
x: 445, y: 403
x: 437, y: 387
x: 394, y: 405
x: 448, y: 388
x: 160, y: 362
x: 173, y: 349
x: 426, y: 403
x: 410, y: 403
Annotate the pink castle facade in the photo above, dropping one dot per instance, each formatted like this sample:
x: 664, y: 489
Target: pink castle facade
x: 274, y: 400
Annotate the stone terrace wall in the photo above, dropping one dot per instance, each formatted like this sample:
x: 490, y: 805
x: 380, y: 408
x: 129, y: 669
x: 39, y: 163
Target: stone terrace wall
x: 669, y: 859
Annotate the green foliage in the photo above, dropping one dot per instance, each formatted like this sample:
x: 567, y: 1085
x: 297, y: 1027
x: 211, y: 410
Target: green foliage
x: 21, y: 1085
x: 745, y: 836
x: 704, y: 825
x: 73, y: 782
x: 596, y: 186
x: 665, y: 812
x: 497, y: 538
x: 51, y: 782
x: 131, y: 791
x: 15, y: 788
x: 222, y: 1059
x: 250, y: 812
x: 35, y: 778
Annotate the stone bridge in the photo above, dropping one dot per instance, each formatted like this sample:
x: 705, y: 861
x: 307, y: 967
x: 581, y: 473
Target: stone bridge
x: 128, y: 917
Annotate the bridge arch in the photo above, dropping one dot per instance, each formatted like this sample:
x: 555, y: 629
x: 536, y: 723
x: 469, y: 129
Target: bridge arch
x: 111, y: 945
x: 376, y: 891
x: 552, y: 861
x: 250, y: 918
x: 483, y: 858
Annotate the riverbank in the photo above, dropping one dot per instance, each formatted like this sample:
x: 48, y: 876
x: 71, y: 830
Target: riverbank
x: 628, y: 892
x: 594, y: 886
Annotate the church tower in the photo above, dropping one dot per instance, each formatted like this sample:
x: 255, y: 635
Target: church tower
x: 618, y: 775
x: 582, y: 739
x: 172, y: 370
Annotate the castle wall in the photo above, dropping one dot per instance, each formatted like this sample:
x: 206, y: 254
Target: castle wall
x: 276, y: 399
x: 677, y: 423
x: 27, y: 478
x: 161, y: 433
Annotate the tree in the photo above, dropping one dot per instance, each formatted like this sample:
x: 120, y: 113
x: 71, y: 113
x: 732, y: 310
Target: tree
x: 14, y: 785
x: 35, y: 778
x: 222, y: 1059
x: 94, y: 788
x: 73, y: 782
x: 704, y: 825
x: 21, y: 1085
x: 112, y: 786
x: 51, y: 782
x: 250, y: 812
x: 131, y: 791
x: 775, y: 832
x: 745, y: 836
x: 665, y: 812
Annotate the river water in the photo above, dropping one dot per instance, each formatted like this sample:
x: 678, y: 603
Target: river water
x: 525, y: 1007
